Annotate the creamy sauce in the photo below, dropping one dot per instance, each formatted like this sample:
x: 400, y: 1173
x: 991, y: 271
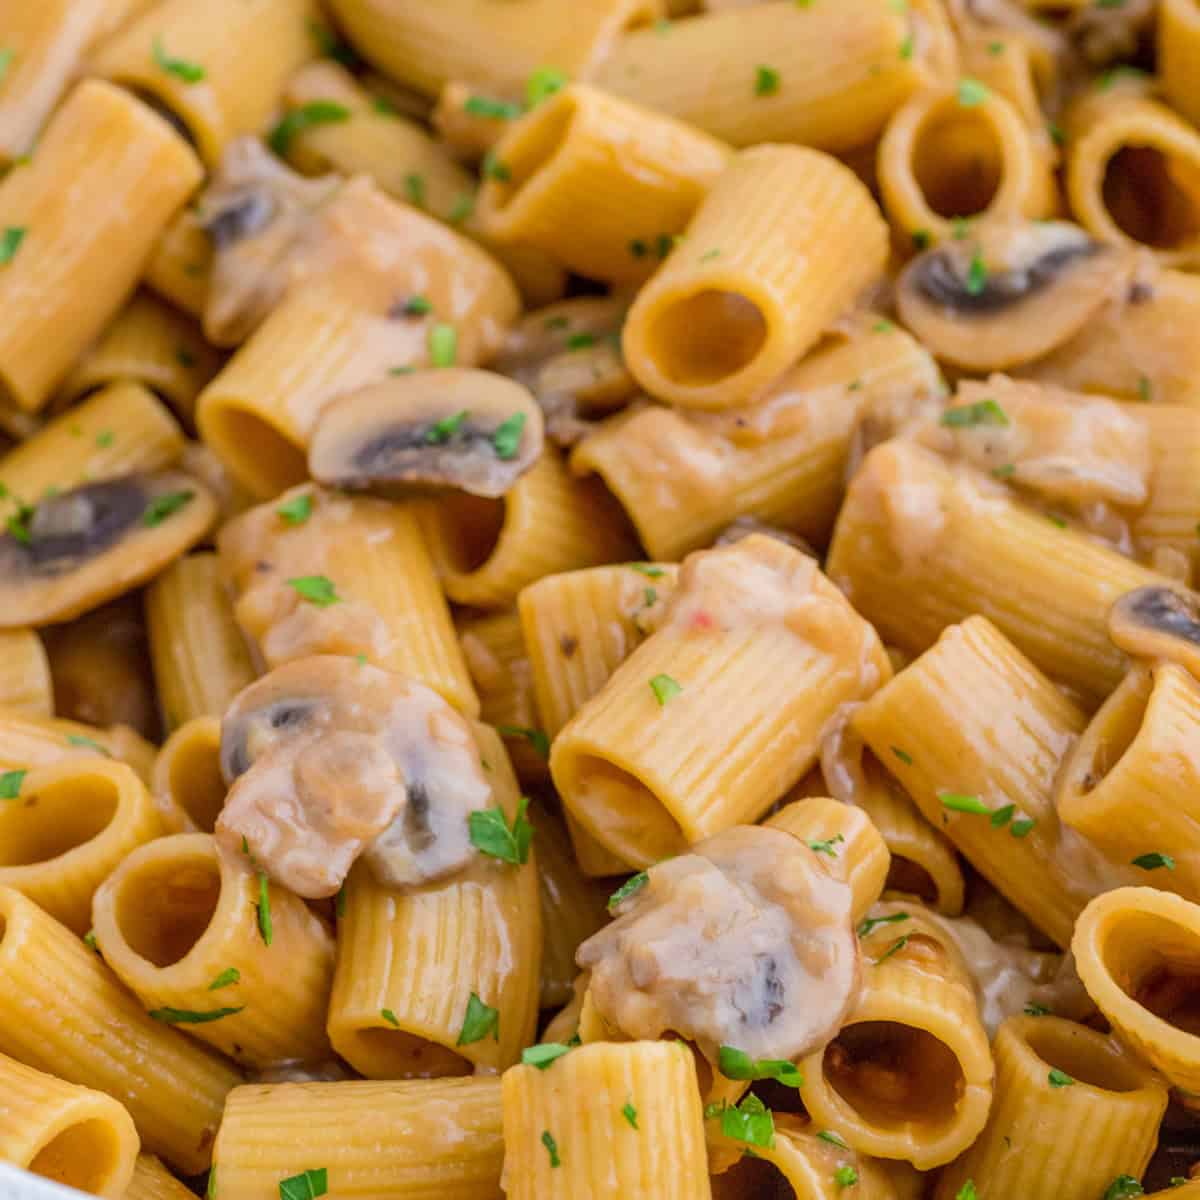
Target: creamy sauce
x: 743, y: 941
x: 329, y: 760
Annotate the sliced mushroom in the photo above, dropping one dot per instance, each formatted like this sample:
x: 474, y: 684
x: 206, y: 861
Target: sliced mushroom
x: 1008, y: 294
x: 744, y: 941
x: 329, y: 759
x: 1158, y: 623
x: 74, y: 550
x: 258, y: 214
x: 460, y: 428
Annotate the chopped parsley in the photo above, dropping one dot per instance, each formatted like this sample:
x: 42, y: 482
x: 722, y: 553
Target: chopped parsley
x: 826, y: 847
x: 390, y: 1017
x: 462, y: 208
x: 417, y: 306
x: 1123, y: 1187
x: 105, y: 438
x: 331, y: 46
x: 921, y: 239
x: 977, y: 275
x: 1002, y: 816
x: 87, y: 743
x: 845, y: 1177
x: 227, y: 978
x: 210, y: 1192
x: 868, y: 926
x: 972, y: 93
x: 647, y: 569
x: 265, y: 927
x: 1020, y: 828
x: 967, y: 1191
x: 181, y: 68
x: 10, y: 784
x: 495, y: 110
x: 751, y: 1122
x: 496, y: 168
x: 903, y: 756
x: 164, y: 506
x: 316, y: 589
x: 7, y: 54
x: 967, y: 416
x: 1151, y: 862
x: 834, y: 1139
x: 580, y: 341
x: 443, y: 345
x: 1145, y: 390
x: 964, y: 804
x: 543, y: 1054
x: 491, y: 833
x: 766, y: 81
x: 1059, y: 1079
x: 507, y: 438
x: 633, y: 884
x: 551, y: 1148
x: 665, y: 689
x: 440, y: 432
x: 297, y: 510
x: 906, y: 47
x: 89, y: 940
x: 414, y: 189
x: 1033, y: 1009
x: 535, y: 737
x: 315, y: 112
x: 629, y: 1113
x: 339, y: 903
x: 737, y: 1064
x: 709, y: 255
x: 543, y: 83
x: 481, y: 1020
x: 894, y: 948
x: 308, y: 1185
x: 185, y: 1016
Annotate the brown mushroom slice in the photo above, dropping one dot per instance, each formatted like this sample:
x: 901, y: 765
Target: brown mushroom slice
x: 474, y: 431
x: 1158, y: 623
x: 329, y: 759
x: 258, y: 214
x: 745, y: 941
x: 76, y: 549
x: 1007, y: 295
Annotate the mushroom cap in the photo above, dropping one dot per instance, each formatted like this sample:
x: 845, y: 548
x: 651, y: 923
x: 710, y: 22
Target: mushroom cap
x: 745, y: 941
x: 330, y: 759
x: 76, y: 549
x: 1009, y: 293
x: 462, y: 428
x: 1158, y: 622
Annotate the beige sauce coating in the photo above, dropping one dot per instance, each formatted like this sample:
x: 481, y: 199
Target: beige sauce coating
x: 329, y: 759
x: 744, y: 941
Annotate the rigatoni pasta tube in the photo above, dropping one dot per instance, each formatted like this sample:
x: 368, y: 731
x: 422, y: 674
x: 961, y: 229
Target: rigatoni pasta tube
x: 200, y: 660
x: 151, y: 344
x: 25, y: 684
x: 941, y: 159
x: 840, y: 69
x: 27, y: 741
x: 435, y: 1139
x: 181, y: 263
x: 606, y: 1121
x: 1137, y: 951
x: 152, y: 1181
x: 183, y: 927
x: 240, y: 54
x: 936, y: 543
x: 412, y: 965
x: 1171, y: 515
x: 849, y: 844
x: 486, y: 551
x: 1130, y: 784
x: 397, y: 153
x: 344, y: 328
x: 187, y: 784
x: 683, y: 476
x: 1179, y: 56
x: 62, y: 1010
x: 910, y: 1075
x: 687, y: 737
x: 1081, y: 1109
x: 495, y: 49
x: 600, y: 184
x: 67, y: 828
x: 933, y: 728
x: 63, y: 1132
x: 67, y: 278
x: 384, y: 599
x: 764, y: 267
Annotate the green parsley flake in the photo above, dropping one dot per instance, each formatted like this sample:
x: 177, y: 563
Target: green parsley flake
x: 766, y: 81
x: 977, y: 275
x: 1002, y: 816
x: 316, y: 589
x: 105, y: 438
x: 1151, y: 862
x: 481, y: 1019
x: 967, y: 416
x: 551, y: 1148
x: 972, y: 93
x: 414, y: 189
x: 315, y: 112
x: 506, y: 441
x: 265, y: 926
x: 535, y: 737
x: 210, y: 1192
x: 1145, y: 390
x: 10, y: 784
x: 665, y: 689
x: 491, y: 834
x: 750, y: 1122
x: 164, y: 506
x: 647, y: 569
x: 906, y: 47
x: 440, y: 432
x: 184, y: 357
x: 967, y: 1191
x: 89, y: 940
x: 6, y: 56
x: 87, y: 743
x: 543, y: 1054
x: 181, y: 68
x: 417, y: 306
x: 227, y: 978
x: 709, y: 255
x: 495, y: 168
x: 463, y: 207
x: 964, y: 804
x: 633, y: 884
x: 995, y: 48
x: 1124, y: 1187
x: 581, y: 341
x: 1033, y: 1009
x: 921, y: 239
x: 903, y: 756
x: 297, y: 510
x: 331, y: 46
x: 737, y: 1064
x: 390, y: 1017
x: 443, y: 345
x: 339, y: 903
x: 826, y: 847
x: 494, y: 110
x: 834, y: 1139
x: 894, y: 948
x: 543, y: 83
x: 845, y: 1177
x: 629, y: 1113
x: 868, y: 926
x: 185, y: 1016
x: 1059, y: 1079
x: 1019, y: 829
x: 308, y: 1185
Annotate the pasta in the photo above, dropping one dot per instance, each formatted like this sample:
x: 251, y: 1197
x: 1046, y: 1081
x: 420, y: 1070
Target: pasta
x: 600, y: 600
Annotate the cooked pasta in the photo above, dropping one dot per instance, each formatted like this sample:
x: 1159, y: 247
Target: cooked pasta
x: 666, y: 527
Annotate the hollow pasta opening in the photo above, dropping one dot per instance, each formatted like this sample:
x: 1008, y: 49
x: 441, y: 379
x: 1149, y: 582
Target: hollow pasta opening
x: 82, y: 1156
x: 708, y: 336
x: 195, y: 780
x: 895, y: 1075
x: 164, y: 909
x: 1153, y: 197
x: 628, y: 812
x: 469, y: 530
x: 395, y: 1054
x: 958, y: 161
x: 754, y: 1177
x: 905, y: 875
x: 43, y: 825
x: 1087, y: 1059
x: 1113, y: 730
x: 177, y: 120
x: 257, y: 454
x: 527, y: 155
